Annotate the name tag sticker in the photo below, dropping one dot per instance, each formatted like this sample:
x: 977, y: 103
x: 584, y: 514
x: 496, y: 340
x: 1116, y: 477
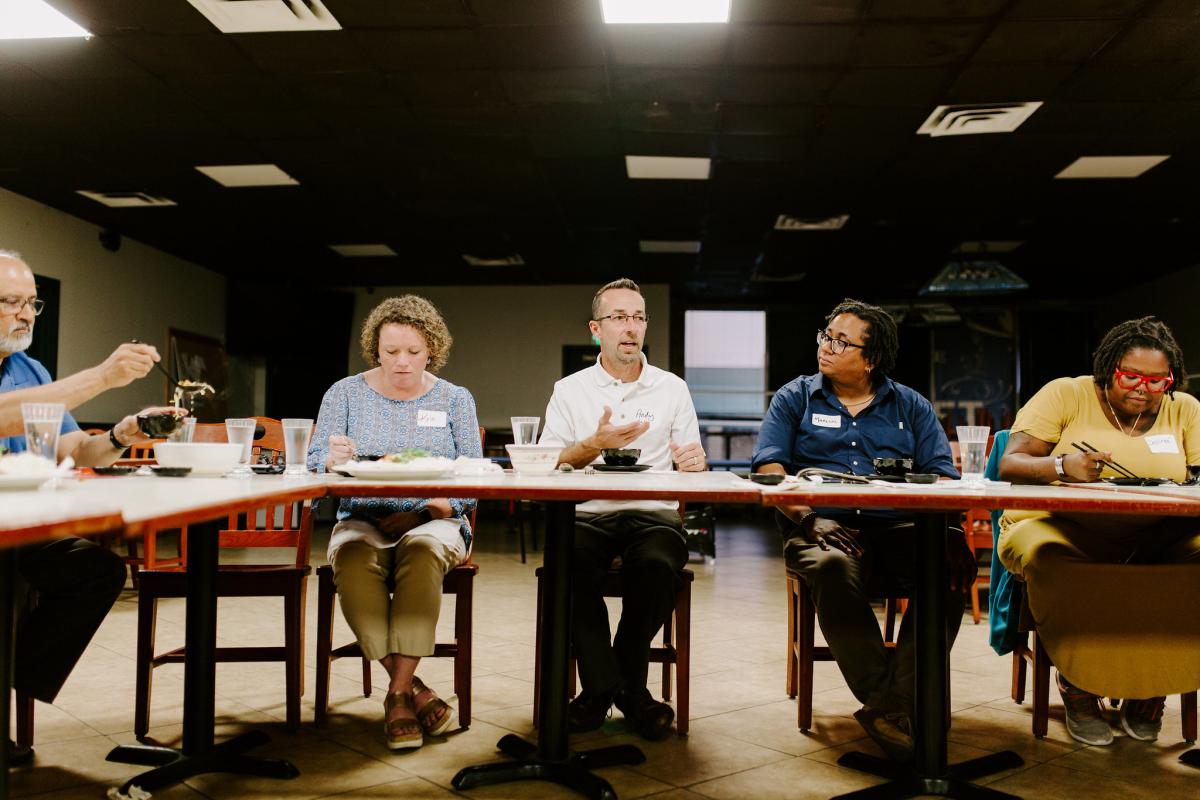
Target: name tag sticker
x: 827, y: 420
x: 1162, y: 443
x: 431, y: 419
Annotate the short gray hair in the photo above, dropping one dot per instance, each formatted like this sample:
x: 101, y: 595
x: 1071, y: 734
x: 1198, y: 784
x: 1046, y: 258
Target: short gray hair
x: 13, y: 254
x: 619, y: 283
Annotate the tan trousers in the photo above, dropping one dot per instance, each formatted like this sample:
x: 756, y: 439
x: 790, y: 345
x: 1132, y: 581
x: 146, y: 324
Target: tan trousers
x: 1114, y: 598
x: 404, y: 620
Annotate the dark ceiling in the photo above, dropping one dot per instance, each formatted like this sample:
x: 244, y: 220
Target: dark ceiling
x: 443, y: 127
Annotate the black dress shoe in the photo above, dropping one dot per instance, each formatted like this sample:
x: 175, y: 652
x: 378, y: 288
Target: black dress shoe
x: 649, y: 717
x: 19, y: 754
x: 587, y: 712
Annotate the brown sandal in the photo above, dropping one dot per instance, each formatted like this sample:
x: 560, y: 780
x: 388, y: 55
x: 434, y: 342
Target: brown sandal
x: 403, y: 732
x: 435, y: 715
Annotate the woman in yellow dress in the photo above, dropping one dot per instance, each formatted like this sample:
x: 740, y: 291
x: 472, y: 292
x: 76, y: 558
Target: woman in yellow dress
x: 1114, y: 597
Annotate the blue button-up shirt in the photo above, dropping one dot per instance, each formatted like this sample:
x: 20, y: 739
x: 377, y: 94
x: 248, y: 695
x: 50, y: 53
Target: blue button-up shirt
x: 19, y: 371
x: 807, y: 426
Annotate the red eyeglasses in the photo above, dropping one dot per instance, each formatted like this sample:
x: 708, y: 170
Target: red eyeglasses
x: 1155, y: 384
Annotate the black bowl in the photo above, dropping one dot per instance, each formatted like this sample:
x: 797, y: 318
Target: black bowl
x: 621, y: 456
x: 893, y: 466
x: 159, y: 425
x: 171, y: 472
x: 921, y: 477
x: 109, y: 472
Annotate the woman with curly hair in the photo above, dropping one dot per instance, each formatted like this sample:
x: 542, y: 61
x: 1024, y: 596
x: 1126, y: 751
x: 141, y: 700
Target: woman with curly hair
x: 1114, y: 597
x: 410, y: 542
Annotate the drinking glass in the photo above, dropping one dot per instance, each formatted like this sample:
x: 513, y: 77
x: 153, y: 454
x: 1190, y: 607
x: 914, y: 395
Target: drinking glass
x: 43, y: 422
x: 525, y: 429
x: 972, y: 448
x: 241, y: 431
x: 185, y: 431
x: 296, y: 435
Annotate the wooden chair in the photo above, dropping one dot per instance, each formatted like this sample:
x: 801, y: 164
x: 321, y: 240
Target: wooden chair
x: 675, y: 649
x: 1030, y: 653
x: 287, y: 526
x: 977, y: 526
x: 803, y: 651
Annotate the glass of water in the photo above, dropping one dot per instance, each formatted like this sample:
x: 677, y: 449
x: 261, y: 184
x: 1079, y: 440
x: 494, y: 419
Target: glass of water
x: 241, y: 431
x: 525, y: 429
x: 972, y: 448
x: 43, y: 422
x: 296, y: 435
x: 185, y: 431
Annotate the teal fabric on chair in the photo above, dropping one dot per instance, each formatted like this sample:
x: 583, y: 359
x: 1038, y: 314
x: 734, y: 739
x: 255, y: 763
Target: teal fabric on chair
x: 1002, y: 617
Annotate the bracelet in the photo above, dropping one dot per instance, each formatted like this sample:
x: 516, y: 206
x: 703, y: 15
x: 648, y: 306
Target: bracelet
x: 1058, y: 467
x: 112, y: 437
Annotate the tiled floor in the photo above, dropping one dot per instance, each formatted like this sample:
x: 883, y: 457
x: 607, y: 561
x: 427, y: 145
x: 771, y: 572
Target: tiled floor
x: 744, y: 741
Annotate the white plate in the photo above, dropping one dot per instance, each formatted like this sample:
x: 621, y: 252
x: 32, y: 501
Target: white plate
x: 369, y: 470
x: 23, y: 481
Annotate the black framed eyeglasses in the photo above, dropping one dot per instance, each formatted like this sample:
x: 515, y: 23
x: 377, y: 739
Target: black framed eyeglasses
x: 620, y: 319
x: 13, y: 305
x: 838, y: 346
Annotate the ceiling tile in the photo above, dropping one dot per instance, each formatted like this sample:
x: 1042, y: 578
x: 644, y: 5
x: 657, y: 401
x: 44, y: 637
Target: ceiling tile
x: 664, y: 85
x: 544, y: 46
x: 668, y: 45
x: 579, y: 85
x: 791, y: 45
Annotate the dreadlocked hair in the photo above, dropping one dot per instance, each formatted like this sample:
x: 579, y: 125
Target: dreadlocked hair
x: 1146, y: 332
x: 882, y: 338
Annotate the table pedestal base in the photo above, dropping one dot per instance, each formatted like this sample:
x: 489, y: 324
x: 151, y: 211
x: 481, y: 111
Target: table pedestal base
x: 1191, y: 758
x: 172, y: 766
x: 903, y: 782
x: 573, y: 773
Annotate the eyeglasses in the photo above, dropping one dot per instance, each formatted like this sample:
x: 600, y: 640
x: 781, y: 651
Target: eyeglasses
x: 621, y: 319
x: 1155, y: 384
x: 13, y: 305
x: 838, y: 346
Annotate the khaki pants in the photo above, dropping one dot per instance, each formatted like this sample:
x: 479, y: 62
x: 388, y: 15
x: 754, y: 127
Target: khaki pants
x: 402, y: 620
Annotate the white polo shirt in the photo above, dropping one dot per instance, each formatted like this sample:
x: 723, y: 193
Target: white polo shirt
x: 658, y: 396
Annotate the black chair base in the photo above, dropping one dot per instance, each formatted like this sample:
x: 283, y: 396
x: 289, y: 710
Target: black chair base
x: 574, y: 773
x: 903, y: 782
x: 171, y: 766
x: 1191, y: 758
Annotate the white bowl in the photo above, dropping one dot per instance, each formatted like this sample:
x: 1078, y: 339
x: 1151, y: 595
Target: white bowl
x: 204, y: 458
x: 533, y: 459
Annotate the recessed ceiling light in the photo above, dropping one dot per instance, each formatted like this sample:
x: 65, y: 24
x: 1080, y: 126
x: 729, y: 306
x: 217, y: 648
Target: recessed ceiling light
x: 514, y: 260
x: 785, y: 222
x: 362, y: 250
x: 668, y: 167
x: 1110, y: 166
x: 237, y: 175
x: 266, y: 16
x: 961, y: 120
x: 668, y: 246
x: 126, y: 199
x: 622, y: 11
x: 36, y: 19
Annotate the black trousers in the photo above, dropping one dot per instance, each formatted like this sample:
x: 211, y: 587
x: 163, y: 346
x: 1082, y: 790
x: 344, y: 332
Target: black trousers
x: 77, y: 582
x: 842, y: 586
x: 652, y: 550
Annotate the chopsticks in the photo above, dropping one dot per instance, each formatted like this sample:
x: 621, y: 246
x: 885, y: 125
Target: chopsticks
x: 1087, y: 448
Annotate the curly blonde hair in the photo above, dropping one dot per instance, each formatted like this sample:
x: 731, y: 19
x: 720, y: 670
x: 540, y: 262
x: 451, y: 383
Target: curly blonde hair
x: 416, y: 312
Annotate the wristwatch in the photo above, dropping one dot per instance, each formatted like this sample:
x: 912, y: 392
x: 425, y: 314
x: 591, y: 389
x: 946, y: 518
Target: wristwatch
x: 1058, y: 467
x: 112, y: 437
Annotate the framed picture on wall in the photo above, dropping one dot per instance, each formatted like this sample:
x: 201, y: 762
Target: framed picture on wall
x: 191, y: 356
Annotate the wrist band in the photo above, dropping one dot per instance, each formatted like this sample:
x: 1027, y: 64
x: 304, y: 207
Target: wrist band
x: 1058, y: 467
x: 112, y: 437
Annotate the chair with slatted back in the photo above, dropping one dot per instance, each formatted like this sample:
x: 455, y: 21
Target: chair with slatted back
x: 250, y: 528
x: 977, y: 526
x: 459, y: 582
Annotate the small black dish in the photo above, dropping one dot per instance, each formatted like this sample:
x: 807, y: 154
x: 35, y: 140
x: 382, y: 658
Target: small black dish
x: 768, y: 479
x: 1137, y: 481
x: 887, y: 478
x: 922, y: 477
x: 620, y: 467
x: 621, y: 456
x: 109, y: 472
x: 892, y: 466
x: 267, y: 469
x: 158, y: 426
x: 171, y: 472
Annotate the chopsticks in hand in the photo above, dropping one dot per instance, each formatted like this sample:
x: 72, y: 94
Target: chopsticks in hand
x: 1087, y: 448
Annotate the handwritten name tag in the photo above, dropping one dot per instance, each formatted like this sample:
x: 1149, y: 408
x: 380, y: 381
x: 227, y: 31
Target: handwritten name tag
x: 431, y: 419
x: 1162, y: 443
x: 827, y: 420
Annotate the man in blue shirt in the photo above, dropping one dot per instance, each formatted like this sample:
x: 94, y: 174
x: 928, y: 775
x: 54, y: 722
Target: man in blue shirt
x: 841, y: 419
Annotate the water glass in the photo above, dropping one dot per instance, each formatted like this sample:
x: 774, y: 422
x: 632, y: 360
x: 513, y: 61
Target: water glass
x: 972, y: 448
x: 185, y: 431
x: 525, y: 429
x: 241, y: 431
x: 43, y: 422
x: 296, y: 435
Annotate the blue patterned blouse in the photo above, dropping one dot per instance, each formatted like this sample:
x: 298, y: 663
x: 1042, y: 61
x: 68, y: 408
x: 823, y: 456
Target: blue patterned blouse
x: 378, y: 424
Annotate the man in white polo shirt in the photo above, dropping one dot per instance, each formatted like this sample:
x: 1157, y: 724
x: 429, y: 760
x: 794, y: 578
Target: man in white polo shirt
x: 623, y: 401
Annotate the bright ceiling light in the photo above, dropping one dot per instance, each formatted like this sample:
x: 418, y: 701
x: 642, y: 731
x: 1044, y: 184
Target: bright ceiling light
x: 35, y: 19
x: 241, y: 175
x: 1110, y: 166
x: 668, y: 246
x: 677, y: 11
x: 668, y: 168
x: 362, y: 250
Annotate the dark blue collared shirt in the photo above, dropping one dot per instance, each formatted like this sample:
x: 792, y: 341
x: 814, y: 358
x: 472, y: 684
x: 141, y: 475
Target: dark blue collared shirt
x: 807, y: 426
x: 19, y: 371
